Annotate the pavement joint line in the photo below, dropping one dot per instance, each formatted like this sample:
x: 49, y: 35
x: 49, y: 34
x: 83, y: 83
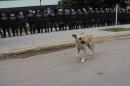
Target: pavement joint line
x: 99, y: 39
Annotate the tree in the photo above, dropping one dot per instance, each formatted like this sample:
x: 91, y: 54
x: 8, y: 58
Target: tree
x: 92, y: 3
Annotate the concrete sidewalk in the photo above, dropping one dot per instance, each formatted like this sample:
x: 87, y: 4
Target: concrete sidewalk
x: 21, y: 44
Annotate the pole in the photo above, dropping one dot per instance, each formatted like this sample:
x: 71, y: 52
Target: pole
x: 40, y: 2
x: 116, y: 20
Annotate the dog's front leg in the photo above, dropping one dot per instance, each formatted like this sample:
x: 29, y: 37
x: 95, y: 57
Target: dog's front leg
x: 77, y: 51
x: 84, y: 57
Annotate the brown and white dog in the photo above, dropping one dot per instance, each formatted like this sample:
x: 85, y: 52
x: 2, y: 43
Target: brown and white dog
x: 83, y: 42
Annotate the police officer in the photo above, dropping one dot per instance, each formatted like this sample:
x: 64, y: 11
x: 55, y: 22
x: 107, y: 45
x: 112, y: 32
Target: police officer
x: 1, y: 29
x: 45, y: 20
x: 112, y: 17
x: 85, y: 18
x: 66, y: 18
x: 4, y: 25
x: 12, y: 24
x: 38, y: 21
x: 73, y: 19
x: 1, y: 32
x: 60, y: 19
x: 30, y: 20
x: 96, y: 17
x: 52, y: 20
x: 102, y: 17
x: 124, y: 18
x: 91, y: 17
x: 108, y: 16
x: 21, y: 22
x: 79, y: 23
x: 127, y: 16
x: 120, y: 18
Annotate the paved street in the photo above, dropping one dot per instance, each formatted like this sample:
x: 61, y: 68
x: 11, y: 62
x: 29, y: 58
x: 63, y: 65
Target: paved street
x: 109, y: 67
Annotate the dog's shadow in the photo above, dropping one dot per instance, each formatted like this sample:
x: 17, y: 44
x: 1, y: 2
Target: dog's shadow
x: 88, y: 58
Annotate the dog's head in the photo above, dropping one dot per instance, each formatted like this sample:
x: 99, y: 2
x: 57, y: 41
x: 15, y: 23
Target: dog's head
x: 79, y: 39
x: 74, y: 36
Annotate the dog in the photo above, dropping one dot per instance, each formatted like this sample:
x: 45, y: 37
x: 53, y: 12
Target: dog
x: 83, y: 42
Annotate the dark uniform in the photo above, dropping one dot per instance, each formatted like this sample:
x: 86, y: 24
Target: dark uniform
x: 5, y: 25
x: 1, y: 29
x: 108, y: 17
x: 127, y: 17
x: 30, y: 20
x: 124, y: 16
x: 38, y: 21
x: 13, y: 24
x: 105, y: 17
x: 21, y: 22
x: 52, y: 20
x: 66, y: 19
x: 73, y: 19
x: 1, y: 32
x: 85, y: 18
x: 45, y: 21
x: 112, y: 17
x: 91, y: 17
x: 79, y: 18
x: 96, y: 17
x: 60, y: 20
x: 120, y: 18
x: 102, y: 17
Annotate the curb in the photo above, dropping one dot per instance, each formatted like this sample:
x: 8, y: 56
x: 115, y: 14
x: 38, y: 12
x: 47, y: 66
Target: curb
x: 62, y: 46
x: 36, y: 49
x: 112, y: 37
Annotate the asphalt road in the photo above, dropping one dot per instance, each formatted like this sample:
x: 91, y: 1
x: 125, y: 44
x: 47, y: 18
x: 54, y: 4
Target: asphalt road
x: 109, y: 67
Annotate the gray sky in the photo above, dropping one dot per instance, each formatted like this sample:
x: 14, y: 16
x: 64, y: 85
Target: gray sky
x: 19, y: 3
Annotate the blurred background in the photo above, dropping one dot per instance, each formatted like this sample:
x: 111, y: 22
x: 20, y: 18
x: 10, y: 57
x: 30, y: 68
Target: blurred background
x: 64, y: 3
x: 23, y: 3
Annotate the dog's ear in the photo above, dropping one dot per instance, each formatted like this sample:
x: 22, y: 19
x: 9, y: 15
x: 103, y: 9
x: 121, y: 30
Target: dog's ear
x: 74, y: 35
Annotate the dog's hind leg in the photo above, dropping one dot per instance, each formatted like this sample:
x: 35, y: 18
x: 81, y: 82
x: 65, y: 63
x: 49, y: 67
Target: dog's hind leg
x: 92, y: 46
x: 91, y: 53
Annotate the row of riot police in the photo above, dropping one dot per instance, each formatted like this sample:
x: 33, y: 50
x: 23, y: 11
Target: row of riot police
x: 123, y: 16
x: 68, y: 19
x: 12, y: 24
x: 39, y: 21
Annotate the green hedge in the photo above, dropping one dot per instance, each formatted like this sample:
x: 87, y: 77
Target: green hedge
x: 116, y: 29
